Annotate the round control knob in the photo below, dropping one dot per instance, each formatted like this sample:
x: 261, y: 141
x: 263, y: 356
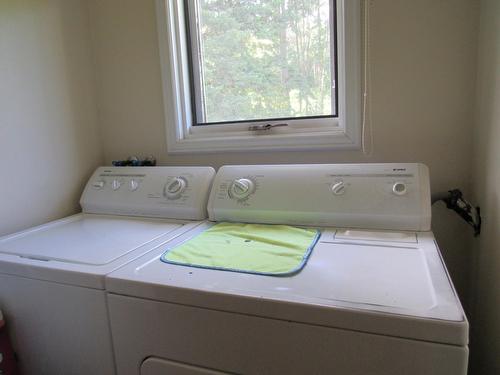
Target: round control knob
x: 338, y: 188
x: 133, y: 185
x: 115, y: 185
x: 98, y: 185
x: 399, y: 188
x: 174, y: 188
x: 241, y: 188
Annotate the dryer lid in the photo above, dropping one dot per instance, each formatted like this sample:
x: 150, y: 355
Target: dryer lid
x: 385, y: 287
x: 93, y: 240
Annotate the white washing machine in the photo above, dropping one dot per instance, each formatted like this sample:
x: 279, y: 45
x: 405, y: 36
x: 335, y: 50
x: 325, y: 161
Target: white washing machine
x: 52, y: 276
x: 374, y: 297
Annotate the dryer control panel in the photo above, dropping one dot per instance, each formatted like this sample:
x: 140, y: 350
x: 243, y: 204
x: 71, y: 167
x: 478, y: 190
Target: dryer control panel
x: 378, y: 196
x: 168, y: 192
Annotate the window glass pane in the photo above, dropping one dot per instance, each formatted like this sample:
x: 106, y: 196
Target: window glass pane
x: 263, y: 59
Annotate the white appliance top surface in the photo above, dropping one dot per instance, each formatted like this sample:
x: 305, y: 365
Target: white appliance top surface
x: 371, y: 274
x: 80, y: 249
x: 93, y: 240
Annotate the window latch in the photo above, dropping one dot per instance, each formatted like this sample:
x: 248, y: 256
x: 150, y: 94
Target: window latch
x: 265, y: 126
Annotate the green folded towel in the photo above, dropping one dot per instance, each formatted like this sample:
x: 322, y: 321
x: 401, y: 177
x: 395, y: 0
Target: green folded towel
x: 250, y: 248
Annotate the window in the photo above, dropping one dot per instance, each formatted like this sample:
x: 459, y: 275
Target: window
x: 260, y: 74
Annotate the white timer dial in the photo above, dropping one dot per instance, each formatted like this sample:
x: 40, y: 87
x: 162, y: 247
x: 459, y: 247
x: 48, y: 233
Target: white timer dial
x: 133, y: 185
x: 175, y: 188
x: 241, y: 188
x: 98, y: 185
x: 115, y: 185
x: 399, y: 188
x: 338, y: 188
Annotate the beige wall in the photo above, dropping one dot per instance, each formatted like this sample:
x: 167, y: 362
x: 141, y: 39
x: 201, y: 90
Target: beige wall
x: 423, y: 64
x: 423, y: 88
x: 485, y: 348
x: 49, y: 140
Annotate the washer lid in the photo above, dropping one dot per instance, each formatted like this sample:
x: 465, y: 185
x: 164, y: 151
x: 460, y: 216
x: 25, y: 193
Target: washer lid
x: 86, y: 239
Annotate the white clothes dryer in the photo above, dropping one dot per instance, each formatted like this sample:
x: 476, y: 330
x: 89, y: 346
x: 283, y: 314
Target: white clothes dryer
x: 374, y: 297
x: 52, y: 276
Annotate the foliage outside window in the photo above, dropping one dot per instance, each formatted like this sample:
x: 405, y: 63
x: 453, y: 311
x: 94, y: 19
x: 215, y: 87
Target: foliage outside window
x: 257, y: 60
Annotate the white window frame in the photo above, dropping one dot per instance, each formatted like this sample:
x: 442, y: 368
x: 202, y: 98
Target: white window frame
x: 342, y: 132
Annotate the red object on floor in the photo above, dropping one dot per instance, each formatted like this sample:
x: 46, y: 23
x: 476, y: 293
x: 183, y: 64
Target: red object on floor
x: 7, y: 360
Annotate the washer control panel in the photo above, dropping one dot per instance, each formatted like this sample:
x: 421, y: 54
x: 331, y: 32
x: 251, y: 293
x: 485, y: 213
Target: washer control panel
x: 378, y: 196
x: 169, y: 192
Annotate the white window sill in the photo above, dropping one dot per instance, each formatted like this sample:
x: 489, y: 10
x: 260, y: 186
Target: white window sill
x: 320, y: 140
